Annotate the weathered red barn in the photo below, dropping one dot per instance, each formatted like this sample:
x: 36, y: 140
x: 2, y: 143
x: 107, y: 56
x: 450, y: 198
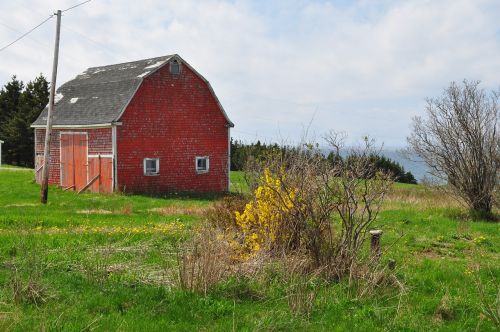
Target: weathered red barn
x: 146, y: 126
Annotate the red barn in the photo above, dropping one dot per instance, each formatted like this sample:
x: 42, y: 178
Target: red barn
x: 146, y: 126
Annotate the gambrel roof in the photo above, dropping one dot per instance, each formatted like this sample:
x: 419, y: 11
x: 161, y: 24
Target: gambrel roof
x: 99, y: 95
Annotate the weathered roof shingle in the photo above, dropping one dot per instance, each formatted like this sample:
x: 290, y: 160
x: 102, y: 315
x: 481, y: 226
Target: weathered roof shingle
x: 99, y: 94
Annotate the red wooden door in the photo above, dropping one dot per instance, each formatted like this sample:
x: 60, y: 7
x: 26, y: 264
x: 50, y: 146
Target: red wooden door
x: 67, y: 162
x: 80, y: 159
x: 102, y: 166
x: 106, y: 175
x: 73, y: 160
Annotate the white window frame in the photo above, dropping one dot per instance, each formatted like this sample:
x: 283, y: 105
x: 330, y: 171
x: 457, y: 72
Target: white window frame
x: 146, y: 173
x: 198, y: 170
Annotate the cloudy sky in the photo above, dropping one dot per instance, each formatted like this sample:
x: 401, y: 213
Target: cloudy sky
x: 282, y: 66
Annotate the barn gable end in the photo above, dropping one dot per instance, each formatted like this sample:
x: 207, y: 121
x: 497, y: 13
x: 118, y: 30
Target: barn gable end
x: 175, y: 118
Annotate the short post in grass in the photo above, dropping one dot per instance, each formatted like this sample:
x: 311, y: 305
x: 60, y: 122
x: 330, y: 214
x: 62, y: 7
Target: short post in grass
x: 376, y: 234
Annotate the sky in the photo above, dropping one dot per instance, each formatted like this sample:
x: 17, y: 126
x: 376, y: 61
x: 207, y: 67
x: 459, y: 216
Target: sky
x: 282, y: 69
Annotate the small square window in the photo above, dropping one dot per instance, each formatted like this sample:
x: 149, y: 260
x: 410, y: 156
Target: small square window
x: 151, y: 166
x: 202, y: 164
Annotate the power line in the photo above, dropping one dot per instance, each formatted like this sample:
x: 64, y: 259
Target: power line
x: 40, y: 24
x: 27, y: 33
x: 66, y: 58
x: 20, y: 32
x: 81, y: 3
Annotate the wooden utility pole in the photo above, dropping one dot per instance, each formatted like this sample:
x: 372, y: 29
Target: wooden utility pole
x: 44, y: 190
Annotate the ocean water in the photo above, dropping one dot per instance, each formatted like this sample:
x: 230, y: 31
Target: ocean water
x: 416, y: 166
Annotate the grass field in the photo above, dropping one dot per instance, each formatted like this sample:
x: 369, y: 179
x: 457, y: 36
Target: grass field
x: 108, y: 262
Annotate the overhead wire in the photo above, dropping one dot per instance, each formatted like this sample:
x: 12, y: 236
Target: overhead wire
x: 20, y: 32
x: 39, y: 25
x: 77, y: 5
x: 27, y: 33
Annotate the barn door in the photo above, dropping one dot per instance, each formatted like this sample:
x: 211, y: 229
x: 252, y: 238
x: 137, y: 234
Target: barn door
x: 101, y: 171
x: 67, y: 162
x: 80, y: 158
x: 73, y: 160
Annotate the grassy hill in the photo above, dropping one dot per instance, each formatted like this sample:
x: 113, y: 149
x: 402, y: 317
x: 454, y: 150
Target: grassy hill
x: 109, y: 262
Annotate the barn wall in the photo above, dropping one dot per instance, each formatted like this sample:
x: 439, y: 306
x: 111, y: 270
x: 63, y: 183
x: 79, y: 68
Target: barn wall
x: 99, y: 142
x: 174, y: 118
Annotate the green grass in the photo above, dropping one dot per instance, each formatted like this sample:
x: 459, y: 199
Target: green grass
x: 107, y: 262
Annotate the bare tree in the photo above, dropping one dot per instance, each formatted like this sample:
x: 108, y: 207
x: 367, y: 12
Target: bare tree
x: 459, y: 142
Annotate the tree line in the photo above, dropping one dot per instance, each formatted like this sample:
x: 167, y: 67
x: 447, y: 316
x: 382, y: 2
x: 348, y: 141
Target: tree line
x: 20, y: 106
x: 242, y: 152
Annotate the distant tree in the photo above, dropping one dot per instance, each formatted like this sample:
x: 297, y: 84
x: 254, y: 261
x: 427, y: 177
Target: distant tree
x: 20, y: 105
x: 386, y: 165
x: 241, y: 154
x: 459, y: 141
x: 390, y: 166
x: 10, y: 96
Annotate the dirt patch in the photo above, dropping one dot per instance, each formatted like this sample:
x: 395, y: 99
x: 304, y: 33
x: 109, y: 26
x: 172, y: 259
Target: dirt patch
x: 118, y: 267
x: 95, y: 211
x: 21, y: 205
x: 180, y: 210
x: 135, y: 272
x: 430, y: 254
x: 136, y: 249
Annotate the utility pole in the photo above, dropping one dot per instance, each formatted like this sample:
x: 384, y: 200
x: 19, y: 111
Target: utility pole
x: 44, y: 190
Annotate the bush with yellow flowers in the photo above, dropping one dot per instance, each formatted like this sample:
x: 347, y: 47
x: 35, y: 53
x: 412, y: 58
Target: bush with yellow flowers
x: 263, y: 220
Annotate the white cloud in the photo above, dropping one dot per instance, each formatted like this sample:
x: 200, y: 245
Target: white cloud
x: 364, y: 67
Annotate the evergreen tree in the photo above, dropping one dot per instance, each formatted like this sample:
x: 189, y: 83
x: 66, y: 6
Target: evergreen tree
x: 20, y: 105
x: 10, y: 95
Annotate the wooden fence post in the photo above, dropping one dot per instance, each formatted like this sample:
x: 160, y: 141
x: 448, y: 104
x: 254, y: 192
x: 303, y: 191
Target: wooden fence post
x: 375, y: 243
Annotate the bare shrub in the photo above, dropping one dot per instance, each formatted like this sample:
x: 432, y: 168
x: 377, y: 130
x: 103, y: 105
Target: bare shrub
x: 203, y: 261
x: 358, y: 193
x: 460, y: 143
x: 325, y: 208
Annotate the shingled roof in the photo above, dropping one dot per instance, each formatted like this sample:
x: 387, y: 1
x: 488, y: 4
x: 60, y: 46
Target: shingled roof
x: 99, y: 95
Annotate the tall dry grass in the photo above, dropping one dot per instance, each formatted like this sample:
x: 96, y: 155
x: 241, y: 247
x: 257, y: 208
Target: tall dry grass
x: 421, y: 199
x: 203, y: 261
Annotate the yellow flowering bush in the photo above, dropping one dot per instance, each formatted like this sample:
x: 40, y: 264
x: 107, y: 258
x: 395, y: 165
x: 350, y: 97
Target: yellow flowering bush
x: 262, y: 221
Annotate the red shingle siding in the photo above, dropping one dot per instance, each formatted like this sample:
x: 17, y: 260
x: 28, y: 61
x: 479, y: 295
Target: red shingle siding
x: 174, y: 118
x: 99, y: 142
